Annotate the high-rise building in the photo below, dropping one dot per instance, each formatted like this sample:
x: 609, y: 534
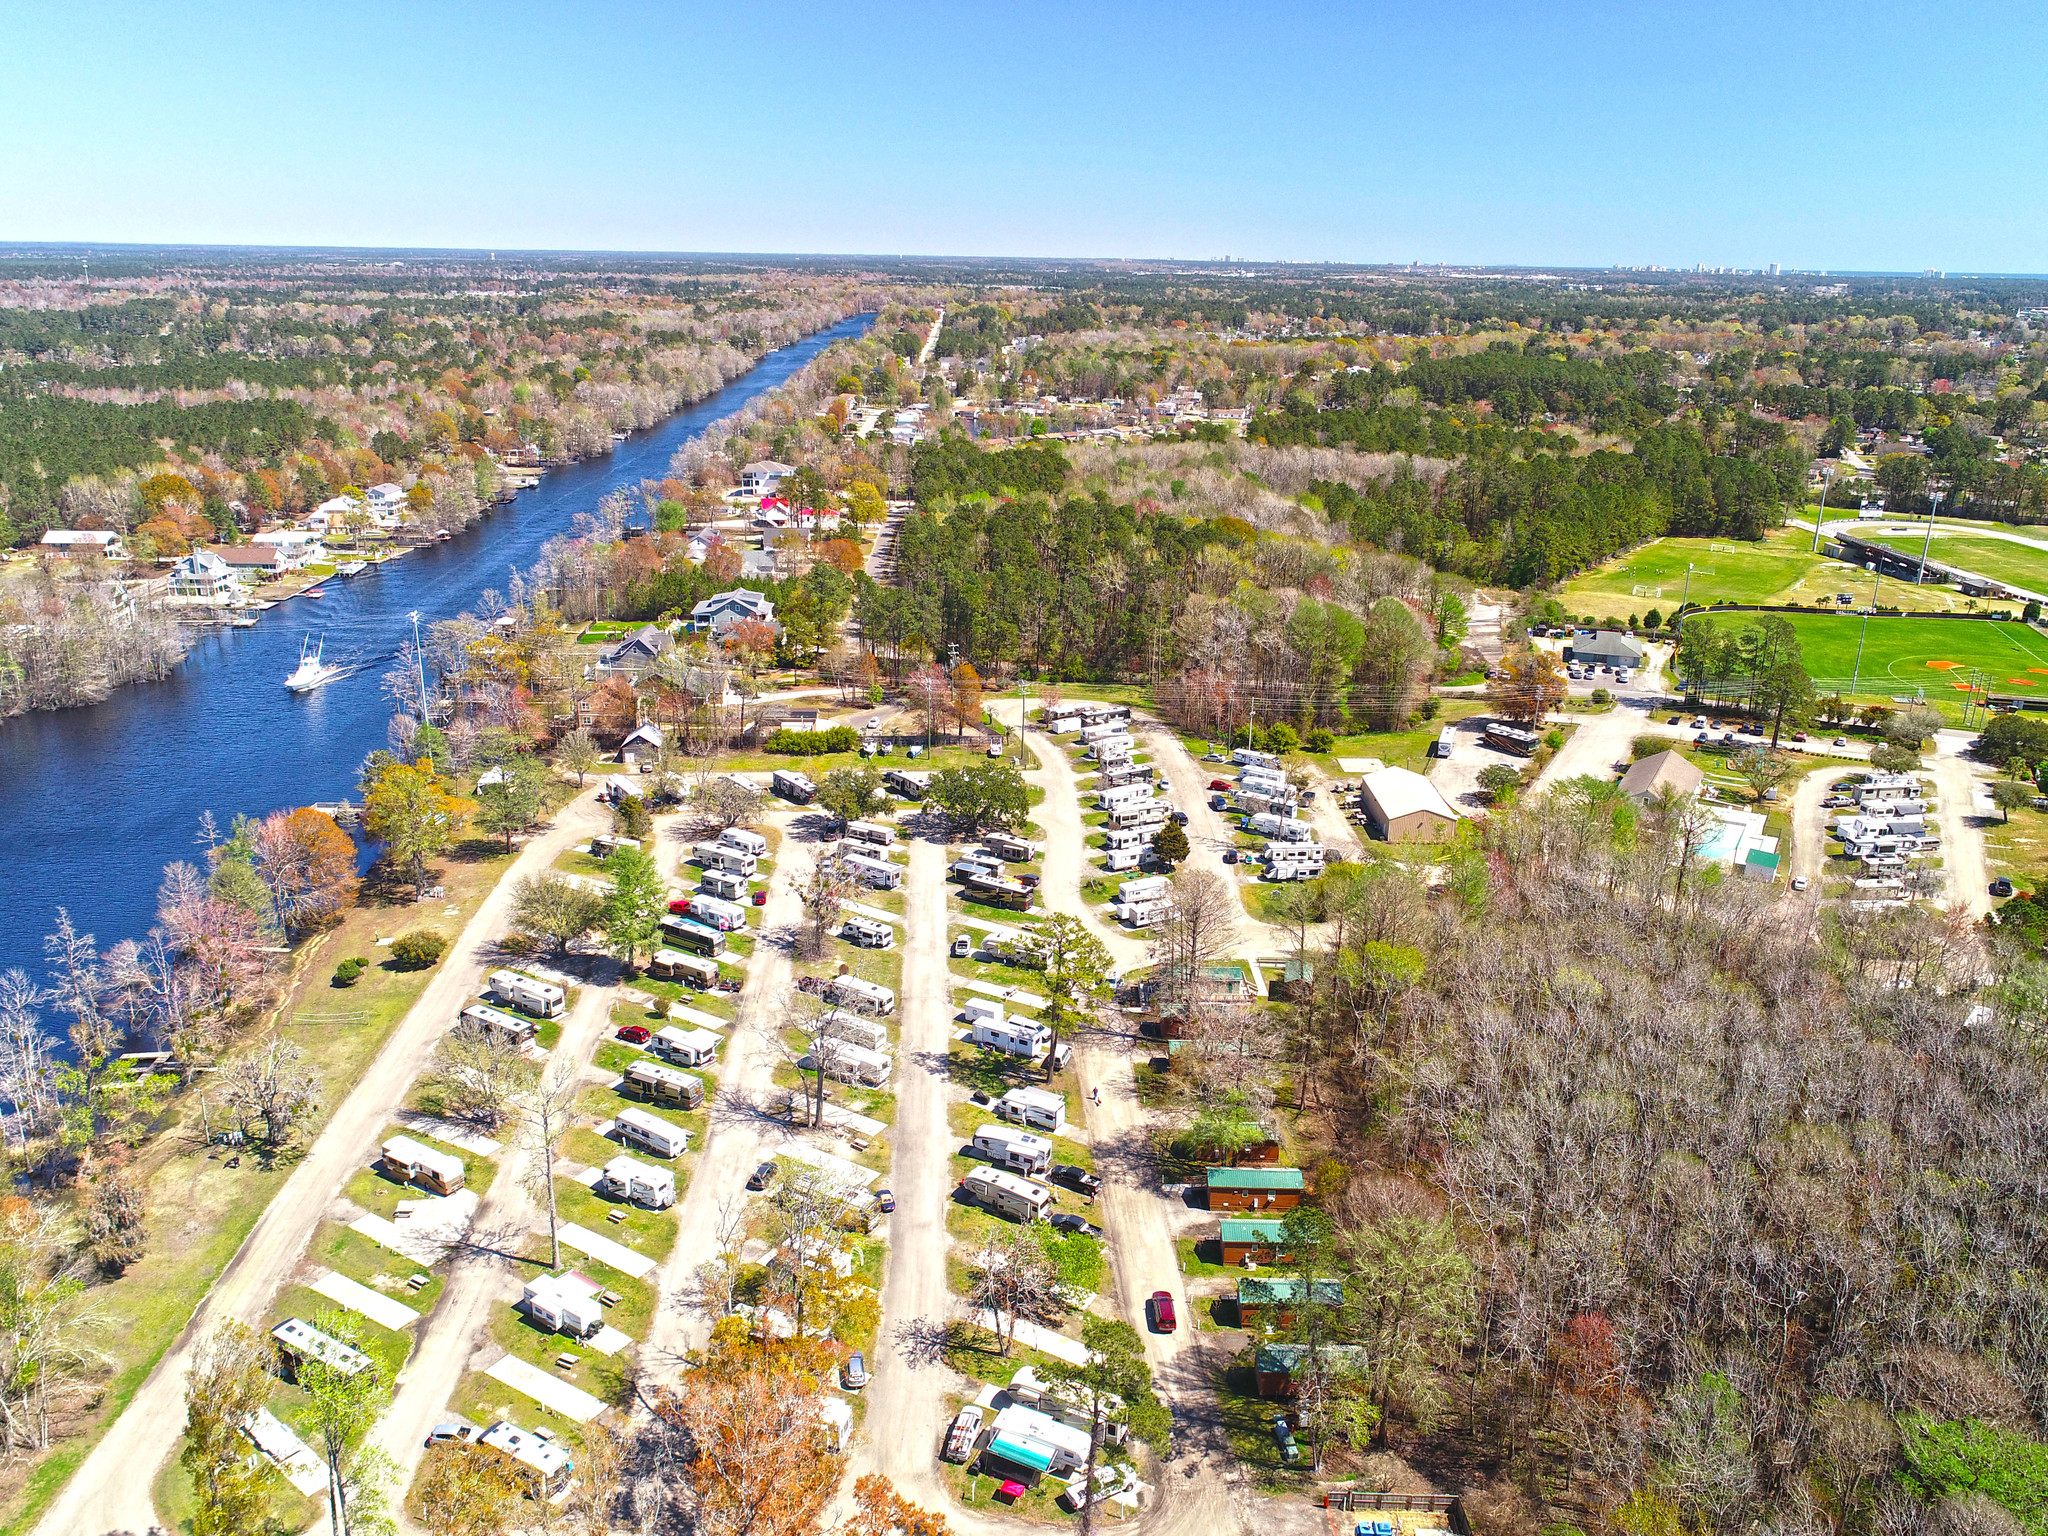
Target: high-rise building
x: 1773, y: 269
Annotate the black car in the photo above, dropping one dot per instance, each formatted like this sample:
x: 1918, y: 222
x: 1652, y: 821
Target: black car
x: 1065, y: 1223
x: 1217, y: 802
x: 763, y: 1177
x: 1076, y: 1177
x: 2001, y: 886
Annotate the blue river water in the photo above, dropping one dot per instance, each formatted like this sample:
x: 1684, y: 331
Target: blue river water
x: 95, y: 802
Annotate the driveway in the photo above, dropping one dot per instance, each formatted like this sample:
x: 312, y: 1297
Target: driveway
x: 1809, y: 830
x: 110, y: 1491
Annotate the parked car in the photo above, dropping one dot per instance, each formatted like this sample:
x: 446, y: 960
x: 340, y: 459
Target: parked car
x: 1063, y: 1222
x: 760, y: 898
x: 1840, y: 741
x: 1699, y: 722
x: 1179, y: 816
x: 1163, y: 1318
x: 965, y: 1430
x: 762, y: 1176
x: 1076, y: 1177
x: 451, y: 1434
x: 680, y: 904
x: 962, y: 947
x: 1217, y: 802
x: 1674, y: 720
x: 1212, y: 757
x: 855, y: 1371
x: 2001, y: 886
x: 1230, y: 855
x: 1799, y: 882
x: 1799, y: 735
x: 874, y: 722
x: 1283, y: 1440
x: 1219, y: 783
x: 635, y: 1034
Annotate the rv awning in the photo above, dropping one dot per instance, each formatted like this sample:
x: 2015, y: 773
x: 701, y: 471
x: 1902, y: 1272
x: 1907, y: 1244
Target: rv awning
x: 1022, y: 1453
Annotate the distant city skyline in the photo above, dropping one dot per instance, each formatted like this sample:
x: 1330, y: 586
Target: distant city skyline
x: 1820, y: 137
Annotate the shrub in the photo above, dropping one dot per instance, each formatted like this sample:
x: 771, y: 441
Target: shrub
x: 350, y: 971
x: 417, y: 950
x: 1283, y: 738
x: 1602, y: 696
x: 1650, y: 746
x: 1320, y: 740
x: 840, y: 738
x: 1554, y: 740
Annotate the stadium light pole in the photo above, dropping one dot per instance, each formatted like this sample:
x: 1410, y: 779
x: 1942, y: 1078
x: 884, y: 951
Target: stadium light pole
x: 1820, y: 516
x: 1933, y: 506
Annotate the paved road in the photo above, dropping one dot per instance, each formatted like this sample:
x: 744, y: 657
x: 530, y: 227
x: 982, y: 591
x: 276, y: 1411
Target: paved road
x: 110, y: 1491
x: 924, y: 353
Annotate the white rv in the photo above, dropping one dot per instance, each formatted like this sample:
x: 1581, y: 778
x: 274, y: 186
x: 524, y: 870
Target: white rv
x: 1119, y: 860
x: 725, y: 856
x: 878, y: 874
x: 657, y: 1084
x: 867, y: 932
x: 1007, y: 1194
x: 845, y: 1062
x: 872, y: 833
x: 1008, y: 1147
x: 625, y: 1178
x: 1091, y: 734
x: 791, y: 785
x: 1038, y: 1108
x: 542, y: 999
x: 867, y: 1033
x: 1245, y: 755
x: 723, y: 884
x: 1108, y: 799
x: 507, y: 1026
x: 1294, y: 861
x: 725, y: 916
x: 745, y: 841
x: 1013, y: 1036
x: 1146, y: 816
x: 861, y: 995
x: 651, y: 1133
x: 686, y: 1047
x: 412, y: 1162
x: 565, y: 1303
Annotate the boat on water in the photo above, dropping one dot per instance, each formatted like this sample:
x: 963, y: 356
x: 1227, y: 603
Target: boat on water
x: 313, y: 592
x: 312, y: 670
x: 352, y: 569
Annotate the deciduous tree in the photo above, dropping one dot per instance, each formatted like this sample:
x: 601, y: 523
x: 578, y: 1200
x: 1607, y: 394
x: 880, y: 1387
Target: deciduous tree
x: 413, y: 814
x: 636, y: 904
x: 229, y: 1383
x: 555, y: 908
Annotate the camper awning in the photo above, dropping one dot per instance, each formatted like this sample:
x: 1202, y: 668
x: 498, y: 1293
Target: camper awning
x: 1021, y: 1452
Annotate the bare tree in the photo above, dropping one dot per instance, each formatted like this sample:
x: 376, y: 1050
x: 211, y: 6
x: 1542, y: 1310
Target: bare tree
x: 815, y: 1050
x: 823, y: 893
x: 546, y: 1111
x: 1201, y: 926
x: 1014, y: 1282
x: 723, y: 801
x: 808, y: 1221
x: 272, y: 1083
x: 479, y: 1073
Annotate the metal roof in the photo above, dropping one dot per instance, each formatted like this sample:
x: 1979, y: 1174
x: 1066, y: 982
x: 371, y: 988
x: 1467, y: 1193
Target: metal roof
x: 1255, y: 1178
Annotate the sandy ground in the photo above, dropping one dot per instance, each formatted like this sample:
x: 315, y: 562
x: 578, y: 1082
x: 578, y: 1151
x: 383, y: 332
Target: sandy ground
x: 110, y: 1491
x: 1963, y: 858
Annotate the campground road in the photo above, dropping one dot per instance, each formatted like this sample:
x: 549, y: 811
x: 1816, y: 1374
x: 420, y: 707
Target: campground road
x: 110, y: 1490
x: 1963, y: 858
x: 1809, y: 830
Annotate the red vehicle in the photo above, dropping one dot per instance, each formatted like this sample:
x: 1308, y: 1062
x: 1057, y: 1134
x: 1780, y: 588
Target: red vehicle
x: 635, y: 1034
x: 1219, y: 783
x: 680, y: 904
x: 760, y: 898
x: 1162, y: 1312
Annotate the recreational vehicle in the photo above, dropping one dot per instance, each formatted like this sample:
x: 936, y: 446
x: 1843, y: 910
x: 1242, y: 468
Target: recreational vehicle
x: 1294, y: 861
x: 1038, y: 1108
x: 1007, y: 1194
x: 1509, y: 738
x: 412, y: 1163
x: 298, y: 1340
x: 1115, y: 775
x: 1013, y: 1036
x: 868, y: 933
x: 657, y: 1084
x: 542, y: 1466
x: 1120, y: 860
x: 565, y: 1304
x: 692, y: 938
x: 686, y: 1047
x: 870, y: 832
x: 725, y: 856
x: 651, y: 1133
x: 845, y: 1062
x: 1006, y: 846
x: 1108, y: 799
x: 1017, y: 1150
x: 723, y: 884
x: 604, y: 845
x: 1110, y: 749
x: 867, y: 1033
x: 861, y: 995
x: 910, y: 783
x: 674, y: 965
x: 791, y: 785
x: 542, y: 999
x: 495, y: 1021
x: 1147, y: 816
x: 745, y: 841
x: 627, y: 1179
x: 725, y: 916
x: 1246, y: 757
x: 1090, y: 734
x: 877, y: 874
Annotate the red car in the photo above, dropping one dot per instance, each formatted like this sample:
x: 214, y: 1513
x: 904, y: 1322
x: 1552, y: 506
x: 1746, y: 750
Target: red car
x: 1219, y: 783
x: 760, y: 898
x: 680, y: 904
x: 1162, y: 1312
x: 635, y: 1034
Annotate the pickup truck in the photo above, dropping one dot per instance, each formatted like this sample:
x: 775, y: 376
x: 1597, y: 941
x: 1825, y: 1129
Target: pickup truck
x: 961, y: 1437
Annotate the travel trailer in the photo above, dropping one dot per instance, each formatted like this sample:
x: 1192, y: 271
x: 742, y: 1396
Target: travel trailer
x: 1007, y: 1194
x: 413, y: 1163
x: 1018, y: 1150
x: 565, y: 1303
x: 867, y: 1033
x: 861, y: 995
x: 686, y: 1047
x: 542, y: 999
x: 877, y: 874
x: 793, y: 786
x: 650, y: 1133
x: 745, y: 841
x: 658, y: 1084
x: 870, y: 832
x: 674, y: 965
x: 845, y: 1062
x: 1038, y: 1108
x: 868, y: 933
x: 725, y: 916
x: 495, y: 1021
x: 635, y: 1182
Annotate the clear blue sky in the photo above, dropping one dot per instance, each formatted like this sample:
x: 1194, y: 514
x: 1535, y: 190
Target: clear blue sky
x: 1840, y: 136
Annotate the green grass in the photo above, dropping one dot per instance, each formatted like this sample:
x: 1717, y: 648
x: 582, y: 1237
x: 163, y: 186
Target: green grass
x: 2012, y: 564
x: 1779, y: 568
x: 1899, y: 654
x: 1202, y: 1259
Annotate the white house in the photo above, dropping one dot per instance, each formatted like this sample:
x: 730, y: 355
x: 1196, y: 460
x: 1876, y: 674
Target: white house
x: 296, y: 546
x: 386, y: 501
x: 764, y: 477
x: 203, y: 574
x: 76, y: 541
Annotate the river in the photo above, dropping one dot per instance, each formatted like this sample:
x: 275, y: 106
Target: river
x: 95, y: 802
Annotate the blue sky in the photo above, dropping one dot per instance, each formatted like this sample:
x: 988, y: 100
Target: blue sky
x: 1871, y: 136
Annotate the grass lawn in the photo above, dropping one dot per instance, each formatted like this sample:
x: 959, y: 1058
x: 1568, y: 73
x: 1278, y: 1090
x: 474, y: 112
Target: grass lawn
x: 1904, y: 655
x: 1202, y: 1259
x: 2018, y: 848
x: 1779, y: 568
x: 570, y: 862
x: 1397, y: 749
x: 2011, y: 564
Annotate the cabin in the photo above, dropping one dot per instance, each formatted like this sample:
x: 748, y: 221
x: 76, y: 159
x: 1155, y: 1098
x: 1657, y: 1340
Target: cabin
x: 1254, y: 1189
x: 1007, y: 1194
x: 1662, y: 773
x: 542, y: 999
x: 657, y: 1084
x: 542, y: 1466
x: 650, y: 1133
x: 861, y: 995
x: 1252, y: 1240
x: 298, y: 1340
x: 1009, y: 1147
x: 565, y: 1303
x: 1274, y: 1369
x: 845, y: 1062
x: 412, y: 1162
x: 636, y: 1183
x: 1269, y: 1301
x: 1039, y: 1108
x: 505, y: 1026
x: 674, y: 965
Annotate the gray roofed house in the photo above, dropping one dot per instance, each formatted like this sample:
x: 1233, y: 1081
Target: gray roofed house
x: 1664, y: 773
x: 1608, y: 648
x: 760, y: 564
x: 203, y: 574
x: 764, y: 477
x: 635, y: 653
x: 642, y: 744
x: 722, y: 610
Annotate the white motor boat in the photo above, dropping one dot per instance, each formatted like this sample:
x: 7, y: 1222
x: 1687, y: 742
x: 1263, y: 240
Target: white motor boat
x: 312, y: 670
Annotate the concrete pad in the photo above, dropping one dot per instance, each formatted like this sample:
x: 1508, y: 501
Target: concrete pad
x: 373, y: 1304
x: 698, y: 1016
x: 990, y: 989
x: 879, y: 914
x: 385, y: 1235
x: 1058, y: 1345
x: 605, y: 1251
x: 1353, y: 765
x: 549, y: 1391
x: 588, y: 1177
x: 291, y: 1455
x: 447, y: 1130
x: 608, y: 1340
x: 849, y: 1171
x: 1000, y: 931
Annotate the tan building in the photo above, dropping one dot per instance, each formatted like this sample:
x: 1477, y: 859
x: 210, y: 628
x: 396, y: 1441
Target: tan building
x: 1404, y: 807
x: 1665, y: 774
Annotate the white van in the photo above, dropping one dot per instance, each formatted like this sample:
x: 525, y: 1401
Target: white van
x: 868, y: 933
x: 745, y: 841
x: 651, y: 1133
x: 861, y: 995
x: 542, y: 999
x: 1008, y: 1147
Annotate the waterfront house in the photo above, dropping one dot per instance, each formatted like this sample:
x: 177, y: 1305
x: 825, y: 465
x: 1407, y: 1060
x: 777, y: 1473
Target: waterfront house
x: 265, y: 562
x: 634, y: 654
x: 203, y: 574
x: 719, y: 612
x: 64, y: 543
x: 299, y: 546
x: 764, y: 477
x: 386, y: 503
x: 1254, y: 1189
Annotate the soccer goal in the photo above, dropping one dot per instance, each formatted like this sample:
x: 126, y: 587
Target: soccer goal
x: 1640, y: 591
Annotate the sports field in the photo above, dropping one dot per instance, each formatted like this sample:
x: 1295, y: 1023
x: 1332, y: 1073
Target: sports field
x: 2015, y: 565
x: 1904, y: 654
x: 1780, y: 568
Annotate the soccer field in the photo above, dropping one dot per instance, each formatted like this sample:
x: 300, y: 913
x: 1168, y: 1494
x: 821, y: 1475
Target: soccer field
x: 1901, y: 655
x: 1779, y: 569
x: 2009, y: 564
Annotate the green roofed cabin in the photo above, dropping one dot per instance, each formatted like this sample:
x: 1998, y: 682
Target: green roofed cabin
x: 1254, y: 1189
x: 1264, y: 1302
x: 1274, y: 1369
x: 1254, y: 1238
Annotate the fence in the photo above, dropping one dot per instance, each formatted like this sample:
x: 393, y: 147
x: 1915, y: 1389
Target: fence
x: 1448, y: 1505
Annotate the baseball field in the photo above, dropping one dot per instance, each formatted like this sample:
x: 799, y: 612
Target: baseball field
x: 1904, y: 655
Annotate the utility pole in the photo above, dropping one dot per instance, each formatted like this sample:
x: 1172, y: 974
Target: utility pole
x: 1933, y: 506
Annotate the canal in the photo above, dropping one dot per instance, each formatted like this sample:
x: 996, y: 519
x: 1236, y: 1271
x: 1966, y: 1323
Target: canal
x: 95, y: 802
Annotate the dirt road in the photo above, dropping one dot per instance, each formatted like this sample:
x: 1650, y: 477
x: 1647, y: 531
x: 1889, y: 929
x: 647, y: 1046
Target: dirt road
x: 1065, y: 863
x: 110, y: 1491
x: 1963, y: 858
x: 1809, y: 830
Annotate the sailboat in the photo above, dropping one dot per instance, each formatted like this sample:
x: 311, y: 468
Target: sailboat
x: 312, y: 670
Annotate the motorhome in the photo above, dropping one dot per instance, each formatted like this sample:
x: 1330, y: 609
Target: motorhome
x: 910, y: 783
x: 861, y: 995
x: 1004, y: 846
x: 1012, y: 1036
x: 657, y: 1084
x: 868, y: 932
x: 1007, y: 1194
x: 411, y: 1162
x: 791, y: 785
x: 298, y: 1340
x: 691, y: 937
x: 1120, y: 860
x: 1149, y: 815
x: 604, y: 845
x: 1503, y: 737
x: 745, y: 841
x: 508, y: 1027
x: 725, y: 916
x: 1039, y: 1108
x: 871, y: 832
x: 1090, y: 734
x: 1110, y: 749
x: 999, y: 889
x: 725, y: 856
x: 876, y: 874
x: 1124, y: 837
x: 628, y: 1179
x: 542, y: 999
x: 723, y: 884
x: 845, y: 1062
x: 565, y: 1303
x: 973, y: 864
x: 870, y: 1034
x: 1126, y: 773
x: 1018, y: 1150
x: 1294, y: 861
x: 686, y: 1047
x: 674, y: 965
x: 1246, y: 757
x: 1271, y: 824
x: 650, y: 1133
